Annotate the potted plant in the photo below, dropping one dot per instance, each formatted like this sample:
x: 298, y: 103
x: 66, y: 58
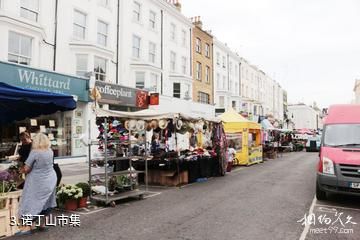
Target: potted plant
x: 69, y: 195
x: 86, y: 193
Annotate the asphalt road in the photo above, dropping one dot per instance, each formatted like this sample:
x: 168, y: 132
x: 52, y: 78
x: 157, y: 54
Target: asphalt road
x: 264, y: 201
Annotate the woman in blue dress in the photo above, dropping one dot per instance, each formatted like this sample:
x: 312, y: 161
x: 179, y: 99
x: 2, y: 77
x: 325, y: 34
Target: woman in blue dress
x: 39, y: 193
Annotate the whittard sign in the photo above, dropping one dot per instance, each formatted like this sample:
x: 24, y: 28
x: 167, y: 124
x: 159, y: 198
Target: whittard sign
x: 26, y: 77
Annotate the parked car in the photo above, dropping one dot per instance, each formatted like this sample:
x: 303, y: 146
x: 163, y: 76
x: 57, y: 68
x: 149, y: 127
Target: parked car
x: 339, y: 163
x: 313, y: 144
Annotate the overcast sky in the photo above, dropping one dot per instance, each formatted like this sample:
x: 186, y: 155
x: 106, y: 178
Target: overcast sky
x: 311, y: 47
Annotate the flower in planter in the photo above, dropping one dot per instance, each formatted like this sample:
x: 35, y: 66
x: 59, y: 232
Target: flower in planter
x: 69, y: 192
x: 85, y: 188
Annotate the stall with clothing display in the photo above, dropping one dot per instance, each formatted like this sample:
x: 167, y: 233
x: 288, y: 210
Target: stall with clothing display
x: 169, y: 149
x: 244, y: 136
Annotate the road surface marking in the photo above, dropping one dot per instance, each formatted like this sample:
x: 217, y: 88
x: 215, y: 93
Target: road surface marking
x: 307, y: 226
x: 153, y: 194
x: 334, y: 207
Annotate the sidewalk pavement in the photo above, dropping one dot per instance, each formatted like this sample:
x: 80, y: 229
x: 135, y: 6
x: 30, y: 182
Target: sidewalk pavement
x: 74, y: 173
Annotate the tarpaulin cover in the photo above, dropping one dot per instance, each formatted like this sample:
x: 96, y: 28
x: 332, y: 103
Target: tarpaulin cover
x: 19, y: 103
x: 150, y: 114
x: 234, y: 122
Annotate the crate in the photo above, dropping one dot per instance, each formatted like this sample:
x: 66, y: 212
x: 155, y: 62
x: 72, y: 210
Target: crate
x: 5, y: 230
x: 14, y: 200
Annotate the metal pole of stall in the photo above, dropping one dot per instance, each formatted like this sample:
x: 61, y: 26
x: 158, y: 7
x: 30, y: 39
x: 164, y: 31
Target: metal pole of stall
x: 146, y: 164
x: 106, y: 158
x: 89, y: 153
x: 177, y: 159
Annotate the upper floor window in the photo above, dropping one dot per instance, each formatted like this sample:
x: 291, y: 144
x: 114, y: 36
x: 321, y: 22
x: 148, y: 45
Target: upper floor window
x: 102, y: 33
x: 218, y: 58
x: 136, y: 11
x: 20, y: 48
x: 218, y: 81
x: 183, y: 38
x: 173, y: 61
x: 204, y: 98
x: 224, y: 62
x: 207, y: 74
x: 177, y: 90
x: 198, y: 71
x: 100, y: 68
x: 172, y: 31
x: 140, y: 80
x: 154, y: 82
x: 183, y: 65
x: 152, y: 52
x: 152, y: 20
x: 29, y: 9
x: 136, y: 46
x: 104, y: 3
x: 81, y: 65
x: 198, y: 45
x: 221, y: 101
x: 207, y: 50
x: 79, y: 24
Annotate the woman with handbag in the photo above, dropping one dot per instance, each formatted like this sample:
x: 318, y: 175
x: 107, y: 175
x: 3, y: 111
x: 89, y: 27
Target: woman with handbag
x: 39, y: 193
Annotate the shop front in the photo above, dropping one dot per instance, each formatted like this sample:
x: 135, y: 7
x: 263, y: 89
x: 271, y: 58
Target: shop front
x: 64, y: 128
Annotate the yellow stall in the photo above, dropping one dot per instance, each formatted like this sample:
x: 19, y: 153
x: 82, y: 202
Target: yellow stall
x: 244, y: 136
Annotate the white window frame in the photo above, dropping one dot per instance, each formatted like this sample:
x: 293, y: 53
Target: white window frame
x: 218, y: 58
x: 173, y: 31
x: 207, y: 50
x: 224, y: 83
x: 81, y: 72
x: 221, y: 101
x: 29, y: 9
x: 152, y: 19
x: 172, y: 61
x: 152, y: 52
x: 203, y: 97
x: 198, y: 71
x: 198, y: 45
x: 207, y: 74
x: 98, y: 72
x: 103, y: 34
x: 19, y: 54
x: 136, y: 11
x: 75, y: 24
x: 177, y: 93
x: 218, y: 80
x: 184, y: 65
x: 136, y: 48
x: 224, y: 62
x: 140, y: 84
x: 154, y: 78
x: 184, y: 37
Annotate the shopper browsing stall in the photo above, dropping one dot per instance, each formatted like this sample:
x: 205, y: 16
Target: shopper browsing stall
x: 25, y: 148
x: 39, y: 194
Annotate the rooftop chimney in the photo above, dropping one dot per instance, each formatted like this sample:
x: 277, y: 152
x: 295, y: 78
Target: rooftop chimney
x: 196, y: 21
x: 177, y: 4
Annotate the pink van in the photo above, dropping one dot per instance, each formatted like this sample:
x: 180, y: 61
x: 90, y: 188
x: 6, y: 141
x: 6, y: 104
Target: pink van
x: 339, y: 164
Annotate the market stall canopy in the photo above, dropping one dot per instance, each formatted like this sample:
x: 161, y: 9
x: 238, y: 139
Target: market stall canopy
x: 19, y: 103
x: 266, y: 125
x: 150, y: 114
x: 234, y: 122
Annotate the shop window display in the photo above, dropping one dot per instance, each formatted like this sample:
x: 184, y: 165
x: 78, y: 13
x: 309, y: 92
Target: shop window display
x: 56, y: 126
